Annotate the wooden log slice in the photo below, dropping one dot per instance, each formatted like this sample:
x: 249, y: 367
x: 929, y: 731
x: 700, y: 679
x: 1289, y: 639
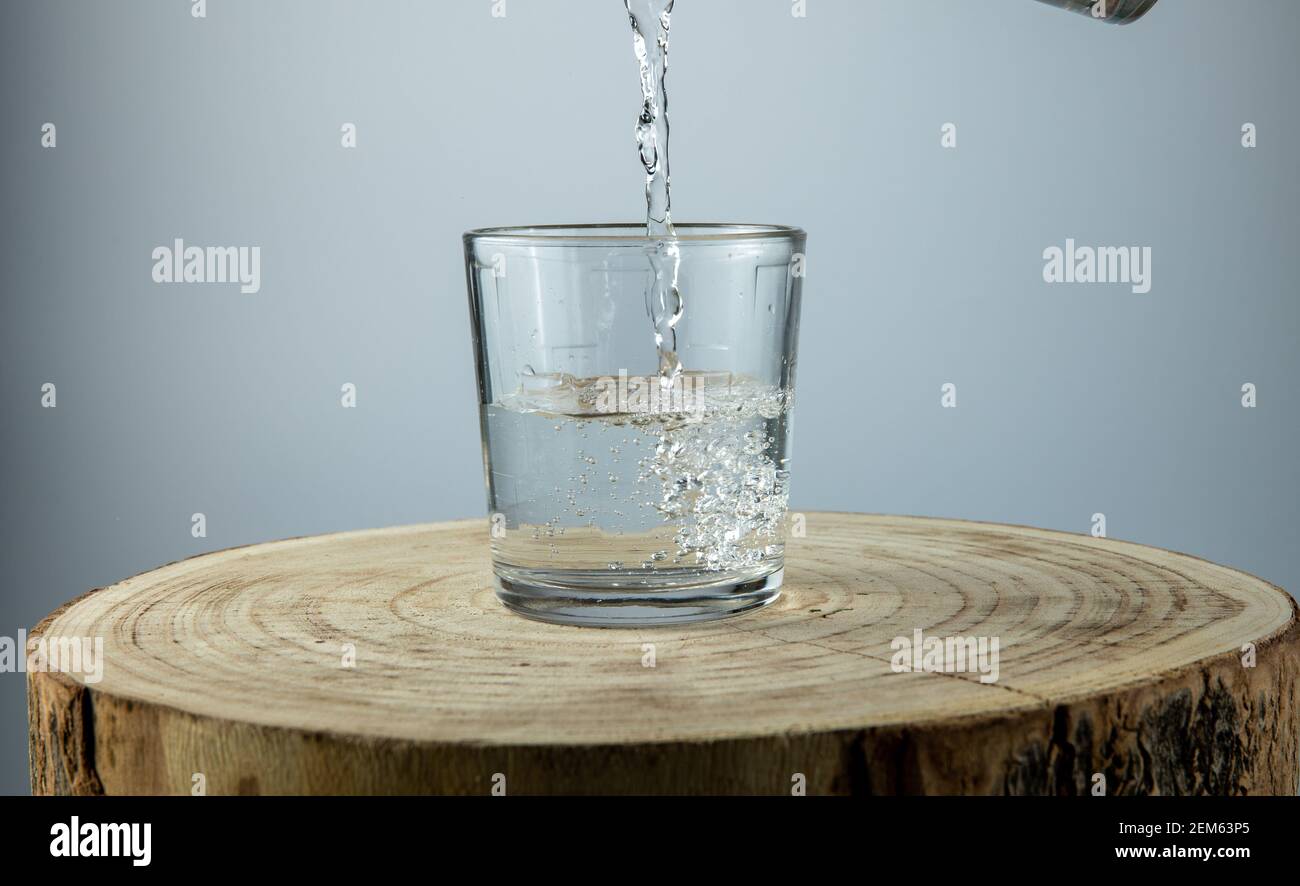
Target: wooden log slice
x: 380, y: 662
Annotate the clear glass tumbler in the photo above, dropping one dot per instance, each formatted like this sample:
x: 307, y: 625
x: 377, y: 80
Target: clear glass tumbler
x: 636, y: 434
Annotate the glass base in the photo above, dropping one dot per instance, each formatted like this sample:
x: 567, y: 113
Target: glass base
x: 533, y: 596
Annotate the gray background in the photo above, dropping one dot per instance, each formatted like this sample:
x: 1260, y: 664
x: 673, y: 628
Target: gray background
x: 925, y: 265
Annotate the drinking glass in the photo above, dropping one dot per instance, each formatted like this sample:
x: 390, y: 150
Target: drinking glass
x: 636, y: 435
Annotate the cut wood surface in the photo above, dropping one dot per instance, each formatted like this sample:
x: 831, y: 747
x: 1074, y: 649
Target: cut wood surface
x: 380, y: 662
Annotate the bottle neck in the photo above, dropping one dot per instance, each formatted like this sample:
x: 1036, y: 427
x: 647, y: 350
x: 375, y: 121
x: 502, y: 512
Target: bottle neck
x: 1117, y: 12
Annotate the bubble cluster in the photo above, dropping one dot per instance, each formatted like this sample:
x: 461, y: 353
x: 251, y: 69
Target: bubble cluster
x: 719, y: 480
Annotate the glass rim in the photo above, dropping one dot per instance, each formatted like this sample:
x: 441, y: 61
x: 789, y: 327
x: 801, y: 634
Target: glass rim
x: 631, y: 233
